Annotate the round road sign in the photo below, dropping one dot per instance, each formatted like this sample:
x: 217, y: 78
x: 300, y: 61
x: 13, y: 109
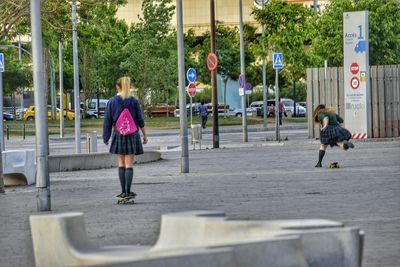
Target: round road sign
x: 191, y: 90
x: 355, y: 83
x: 241, y: 81
x: 212, y: 61
x: 354, y: 68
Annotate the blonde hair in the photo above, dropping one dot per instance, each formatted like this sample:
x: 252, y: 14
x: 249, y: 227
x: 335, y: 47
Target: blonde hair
x: 124, y: 85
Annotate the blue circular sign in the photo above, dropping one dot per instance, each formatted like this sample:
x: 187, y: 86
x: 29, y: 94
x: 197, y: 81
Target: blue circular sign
x: 248, y: 86
x: 191, y: 75
x: 241, y: 81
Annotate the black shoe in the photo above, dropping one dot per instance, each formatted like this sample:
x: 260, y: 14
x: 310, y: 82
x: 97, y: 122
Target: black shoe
x: 131, y: 195
x: 122, y: 195
x: 319, y: 165
x: 350, y: 144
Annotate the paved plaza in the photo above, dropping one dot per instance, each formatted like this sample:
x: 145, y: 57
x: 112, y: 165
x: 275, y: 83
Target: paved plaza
x: 259, y: 180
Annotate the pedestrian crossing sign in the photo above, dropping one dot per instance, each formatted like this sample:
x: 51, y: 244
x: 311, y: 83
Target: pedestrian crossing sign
x: 1, y: 62
x: 278, y: 60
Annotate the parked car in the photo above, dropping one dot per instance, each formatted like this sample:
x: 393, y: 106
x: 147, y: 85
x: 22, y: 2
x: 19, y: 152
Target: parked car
x: 7, y: 116
x: 238, y: 112
x: 30, y: 114
x: 257, y: 106
x: 91, y: 111
x: 289, y: 108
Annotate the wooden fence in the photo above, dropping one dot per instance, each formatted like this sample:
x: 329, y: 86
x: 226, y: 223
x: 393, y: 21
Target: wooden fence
x: 327, y: 87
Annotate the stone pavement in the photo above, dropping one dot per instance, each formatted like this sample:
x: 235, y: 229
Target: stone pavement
x: 255, y: 181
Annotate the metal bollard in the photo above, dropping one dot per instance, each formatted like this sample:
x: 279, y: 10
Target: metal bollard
x: 91, y: 142
x: 8, y: 132
x: 23, y: 135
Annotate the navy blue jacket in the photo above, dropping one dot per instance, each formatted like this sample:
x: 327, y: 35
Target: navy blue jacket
x: 114, y: 108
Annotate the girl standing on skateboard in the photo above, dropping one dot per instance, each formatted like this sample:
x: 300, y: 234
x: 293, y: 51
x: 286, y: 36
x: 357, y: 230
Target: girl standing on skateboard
x: 122, y: 119
x: 331, y: 132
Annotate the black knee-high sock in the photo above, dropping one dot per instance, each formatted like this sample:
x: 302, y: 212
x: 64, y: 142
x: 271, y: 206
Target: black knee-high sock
x: 121, y: 174
x: 321, y: 156
x: 129, y: 178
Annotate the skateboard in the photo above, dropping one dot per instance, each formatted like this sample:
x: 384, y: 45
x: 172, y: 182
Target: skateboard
x: 126, y: 200
x: 334, y: 165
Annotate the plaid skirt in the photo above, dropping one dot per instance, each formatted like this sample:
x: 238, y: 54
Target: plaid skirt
x: 126, y: 144
x: 334, y: 134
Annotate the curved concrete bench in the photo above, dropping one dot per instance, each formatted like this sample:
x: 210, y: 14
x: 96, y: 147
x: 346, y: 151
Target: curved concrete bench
x: 19, y: 167
x: 202, y: 239
x: 93, y: 161
x: 323, y: 243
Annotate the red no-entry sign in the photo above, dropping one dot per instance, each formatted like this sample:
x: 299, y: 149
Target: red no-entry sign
x: 191, y: 90
x: 212, y: 61
x: 354, y: 68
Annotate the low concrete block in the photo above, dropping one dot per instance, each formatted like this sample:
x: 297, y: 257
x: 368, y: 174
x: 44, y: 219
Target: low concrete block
x: 93, y: 161
x: 203, y: 238
x: 19, y: 167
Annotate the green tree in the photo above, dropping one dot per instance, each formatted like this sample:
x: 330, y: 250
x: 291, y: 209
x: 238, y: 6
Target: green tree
x: 384, y: 31
x: 150, y: 56
x: 289, y: 28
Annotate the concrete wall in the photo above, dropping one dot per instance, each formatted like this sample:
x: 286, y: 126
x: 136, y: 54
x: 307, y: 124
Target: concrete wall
x: 92, y: 161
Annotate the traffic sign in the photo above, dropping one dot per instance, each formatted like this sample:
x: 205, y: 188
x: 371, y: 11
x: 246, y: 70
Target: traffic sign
x: 248, y: 86
x: 355, y: 83
x: 278, y: 60
x: 1, y: 62
x: 191, y: 89
x: 241, y: 80
x: 354, y: 68
x: 212, y: 61
x: 191, y: 75
x: 241, y: 91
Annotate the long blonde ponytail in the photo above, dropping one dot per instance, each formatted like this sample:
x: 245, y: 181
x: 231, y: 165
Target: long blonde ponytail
x: 124, y: 84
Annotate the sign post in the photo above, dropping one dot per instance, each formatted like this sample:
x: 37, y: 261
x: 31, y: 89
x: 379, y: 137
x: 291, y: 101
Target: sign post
x: 212, y: 64
x: 1, y: 102
x: 278, y: 64
x: 191, y: 90
x: 356, y: 74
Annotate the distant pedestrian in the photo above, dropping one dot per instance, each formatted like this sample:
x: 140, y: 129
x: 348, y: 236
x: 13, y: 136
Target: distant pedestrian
x: 122, y: 119
x: 331, y: 132
x: 204, y: 114
x: 281, y: 111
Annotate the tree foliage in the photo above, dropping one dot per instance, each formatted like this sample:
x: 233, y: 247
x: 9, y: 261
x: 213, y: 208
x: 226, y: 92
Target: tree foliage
x: 288, y: 27
x: 150, y: 56
x: 384, y: 31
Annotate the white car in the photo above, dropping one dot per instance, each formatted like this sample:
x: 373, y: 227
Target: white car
x: 289, y: 107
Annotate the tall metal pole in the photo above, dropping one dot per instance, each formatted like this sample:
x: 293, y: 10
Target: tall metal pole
x: 191, y: 110
x: 42, y: 141
x: 182, y: 93
x: 2, y: 147
x: 264, y: 76
x: 76, y: 81
x: 53, y: 88
x: 277, y: 130
x: 243, y: 71
x: 1, y: 135
x: 214, y: 80
x: 61, y: 78
x: 315, y: 4
x: 98, y: 90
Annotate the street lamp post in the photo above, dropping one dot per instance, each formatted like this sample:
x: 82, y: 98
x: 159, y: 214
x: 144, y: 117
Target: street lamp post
x: 42, y: 141
x: 243, y: 71
x: 76, y: 80
x: 182, y: 93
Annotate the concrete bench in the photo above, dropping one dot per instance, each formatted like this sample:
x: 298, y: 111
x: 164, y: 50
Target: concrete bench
x: 203, y: 238
x: 19, y: 167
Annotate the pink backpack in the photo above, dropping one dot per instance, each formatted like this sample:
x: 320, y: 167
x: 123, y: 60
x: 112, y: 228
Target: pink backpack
x: 125, y: 124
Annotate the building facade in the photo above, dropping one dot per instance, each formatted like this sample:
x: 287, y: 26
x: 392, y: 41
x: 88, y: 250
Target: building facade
x: 196, y: 14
